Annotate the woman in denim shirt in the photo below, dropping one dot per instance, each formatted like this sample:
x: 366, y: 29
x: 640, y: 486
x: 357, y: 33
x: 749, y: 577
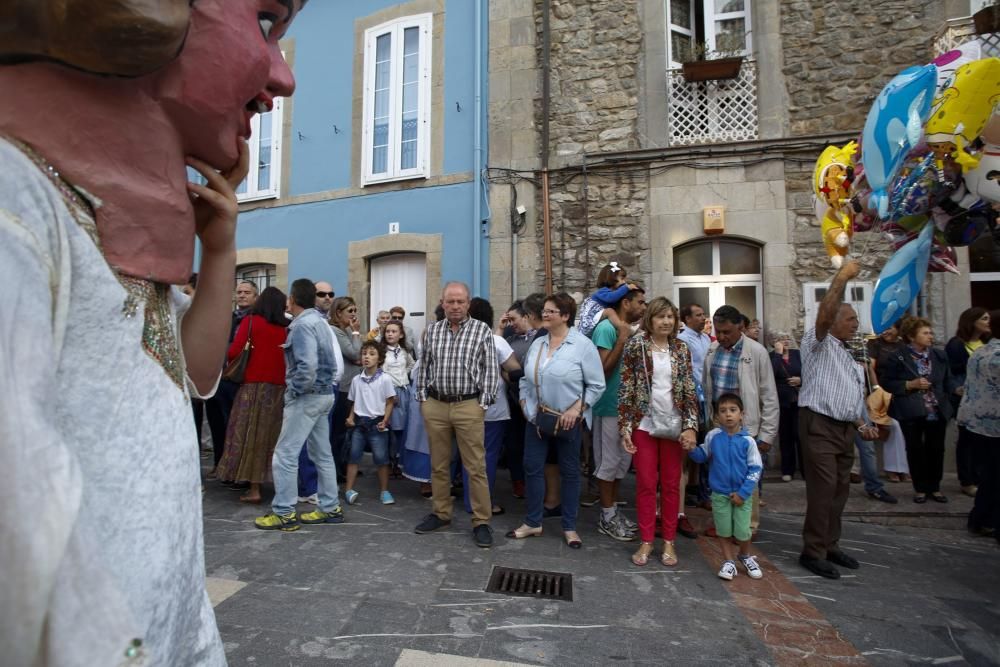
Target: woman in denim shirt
x: 562, y: 374
x: 979, y: 415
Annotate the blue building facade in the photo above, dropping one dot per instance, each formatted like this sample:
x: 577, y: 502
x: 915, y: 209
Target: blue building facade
x: 377, y: 156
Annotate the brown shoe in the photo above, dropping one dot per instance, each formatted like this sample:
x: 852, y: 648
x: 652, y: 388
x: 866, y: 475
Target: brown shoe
x: 685, y: 528
x: 855, y: 478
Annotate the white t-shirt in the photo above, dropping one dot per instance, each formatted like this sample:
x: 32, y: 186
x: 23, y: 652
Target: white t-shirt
x: 397, y: 365
x: 661, y: 398
x: 500, y: 409
x: 370, y: 397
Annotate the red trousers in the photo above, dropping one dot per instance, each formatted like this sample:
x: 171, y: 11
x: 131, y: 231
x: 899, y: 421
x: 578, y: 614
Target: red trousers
x: 656, y: 460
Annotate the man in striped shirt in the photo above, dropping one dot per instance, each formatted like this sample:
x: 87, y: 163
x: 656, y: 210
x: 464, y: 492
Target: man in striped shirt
x: 456, y: 383
x: 831, y: 410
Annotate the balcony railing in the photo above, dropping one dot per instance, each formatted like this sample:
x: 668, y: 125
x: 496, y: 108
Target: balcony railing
x: 958, y: 31
x: 708, y: 112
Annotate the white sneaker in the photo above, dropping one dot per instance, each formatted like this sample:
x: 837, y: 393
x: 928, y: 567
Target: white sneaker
x: 786, y: 478
x: 312, y: 500
x: 728, y: 571
x: 750, y: 563
x: 632, y: 526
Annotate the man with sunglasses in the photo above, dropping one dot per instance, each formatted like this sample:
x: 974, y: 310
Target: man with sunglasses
x: 324, y: 298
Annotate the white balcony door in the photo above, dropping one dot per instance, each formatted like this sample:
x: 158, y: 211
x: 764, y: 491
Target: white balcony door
x: 400, y: 280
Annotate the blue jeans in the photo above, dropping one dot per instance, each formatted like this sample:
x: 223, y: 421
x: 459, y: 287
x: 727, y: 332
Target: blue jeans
x: 494, y: 443
x: 304, y: 418
x: 366, y: 431
x: 869, y: 464
x: 535, y: 450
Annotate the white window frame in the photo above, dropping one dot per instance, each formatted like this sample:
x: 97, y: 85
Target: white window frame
x: 425, y: 23
x: 858, y: 293
x: 717, y: 282
x: 276, y: 119
x: 707, y: 11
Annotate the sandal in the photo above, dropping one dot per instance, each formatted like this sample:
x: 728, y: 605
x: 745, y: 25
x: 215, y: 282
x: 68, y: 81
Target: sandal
x: 894, y: 477
x: 669, y: 555
x: 524, y: 531
x: 498, y: 510
x: 920, y: 498
x: 641, y: 556
x: 572, y: 539
x: 253, y: 500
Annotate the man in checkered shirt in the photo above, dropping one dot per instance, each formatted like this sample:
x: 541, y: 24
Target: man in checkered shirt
x: 456, y: 382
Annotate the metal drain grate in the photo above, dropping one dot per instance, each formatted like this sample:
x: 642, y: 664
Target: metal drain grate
x: 531, y: 583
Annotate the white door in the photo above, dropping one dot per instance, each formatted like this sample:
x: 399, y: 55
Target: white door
x: 400, y: 280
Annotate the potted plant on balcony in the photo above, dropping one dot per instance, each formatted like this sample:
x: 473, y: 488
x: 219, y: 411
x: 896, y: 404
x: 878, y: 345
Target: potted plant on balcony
x: 724, y: 62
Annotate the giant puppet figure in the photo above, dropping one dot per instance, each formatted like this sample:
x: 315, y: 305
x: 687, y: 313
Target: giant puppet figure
x: 106, y: 104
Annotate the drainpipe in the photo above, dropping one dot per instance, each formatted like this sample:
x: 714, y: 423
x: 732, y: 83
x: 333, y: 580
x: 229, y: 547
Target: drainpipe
x: 477, y: 158
x: 546, y: 226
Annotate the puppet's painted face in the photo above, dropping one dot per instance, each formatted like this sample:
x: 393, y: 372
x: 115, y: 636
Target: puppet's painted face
x: 231, y: 67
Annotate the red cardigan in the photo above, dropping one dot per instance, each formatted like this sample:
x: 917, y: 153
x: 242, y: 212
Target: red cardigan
x: 267, y: 359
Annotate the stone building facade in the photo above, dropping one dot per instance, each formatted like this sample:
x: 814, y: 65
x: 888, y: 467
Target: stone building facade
x: 624, y: 183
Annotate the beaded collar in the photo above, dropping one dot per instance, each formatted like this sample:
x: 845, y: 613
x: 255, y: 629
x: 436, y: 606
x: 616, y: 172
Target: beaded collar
x: 159, y: 334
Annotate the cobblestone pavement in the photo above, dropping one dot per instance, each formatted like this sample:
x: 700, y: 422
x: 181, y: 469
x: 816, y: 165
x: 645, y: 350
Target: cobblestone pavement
x: 372, y: 592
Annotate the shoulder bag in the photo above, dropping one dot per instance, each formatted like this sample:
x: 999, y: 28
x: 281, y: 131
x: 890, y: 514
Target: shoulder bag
x: 237, y: 368
x: 667, y: 427
x: 547, y: 419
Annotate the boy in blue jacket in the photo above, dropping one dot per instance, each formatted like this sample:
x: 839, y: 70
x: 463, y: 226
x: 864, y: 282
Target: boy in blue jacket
x: 735, y: 471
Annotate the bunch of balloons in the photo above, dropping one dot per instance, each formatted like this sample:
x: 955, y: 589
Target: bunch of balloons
x: 925, y: 173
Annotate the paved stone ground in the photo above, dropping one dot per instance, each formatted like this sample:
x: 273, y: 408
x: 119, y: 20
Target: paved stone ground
x: 372, y: 592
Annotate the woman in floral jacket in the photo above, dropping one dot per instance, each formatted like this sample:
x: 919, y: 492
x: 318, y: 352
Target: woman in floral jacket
x: 657, y: 379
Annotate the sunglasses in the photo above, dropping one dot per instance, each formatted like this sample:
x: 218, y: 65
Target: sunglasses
x: 323, y: 295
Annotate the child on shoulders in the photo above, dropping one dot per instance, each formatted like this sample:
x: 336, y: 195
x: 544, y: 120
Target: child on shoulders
x: 373, y: 396
x: 611, y: 288
x: 733, y: 475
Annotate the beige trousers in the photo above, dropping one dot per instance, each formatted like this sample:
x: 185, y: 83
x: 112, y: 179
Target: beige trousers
x: 463, y: 421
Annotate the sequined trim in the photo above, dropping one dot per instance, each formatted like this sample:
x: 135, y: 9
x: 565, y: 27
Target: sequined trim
x: 159, y: 336
x: 78, y: 205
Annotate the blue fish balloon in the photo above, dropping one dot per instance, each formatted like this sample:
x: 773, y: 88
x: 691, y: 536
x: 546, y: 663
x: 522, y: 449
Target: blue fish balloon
x: 893, y: 127
x: 901, y: 279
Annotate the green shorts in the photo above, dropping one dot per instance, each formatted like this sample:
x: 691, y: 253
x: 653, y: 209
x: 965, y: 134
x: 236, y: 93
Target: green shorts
x: 730, y: 520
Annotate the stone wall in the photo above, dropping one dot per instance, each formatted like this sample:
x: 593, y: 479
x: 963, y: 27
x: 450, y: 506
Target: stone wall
x: 838, y: 55
x: 596, y: 47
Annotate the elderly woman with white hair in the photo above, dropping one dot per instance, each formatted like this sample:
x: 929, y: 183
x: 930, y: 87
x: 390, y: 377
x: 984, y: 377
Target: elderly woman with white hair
x: 788, y: 377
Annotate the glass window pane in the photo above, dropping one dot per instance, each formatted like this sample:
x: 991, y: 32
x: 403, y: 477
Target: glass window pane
x: 738, y: 258
x: 693, y: 260
x: 727, y: 6
x: 689, y: 295
x: 986, y: 294
x: 383, y: 43
x: 264, y: 154
x: 680, y: 13
x: 730, y: 35
x: 411, y: 41
x: 680, y: 47
x: 744, y: 299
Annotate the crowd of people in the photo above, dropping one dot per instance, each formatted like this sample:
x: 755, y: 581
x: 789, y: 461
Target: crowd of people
x: 563, y: 395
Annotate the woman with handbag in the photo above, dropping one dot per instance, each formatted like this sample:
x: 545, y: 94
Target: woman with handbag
x: 255, y: 422
x: 920, y: 381
x: 657, y: 419
x: 563, y: 377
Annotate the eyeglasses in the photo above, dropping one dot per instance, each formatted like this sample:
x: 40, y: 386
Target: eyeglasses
x: 352, y: 310
x: 323, y: 295
x: 549, y: 311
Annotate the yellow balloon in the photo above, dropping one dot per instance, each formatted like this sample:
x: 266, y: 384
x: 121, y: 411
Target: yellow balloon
x: 960, y: 112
